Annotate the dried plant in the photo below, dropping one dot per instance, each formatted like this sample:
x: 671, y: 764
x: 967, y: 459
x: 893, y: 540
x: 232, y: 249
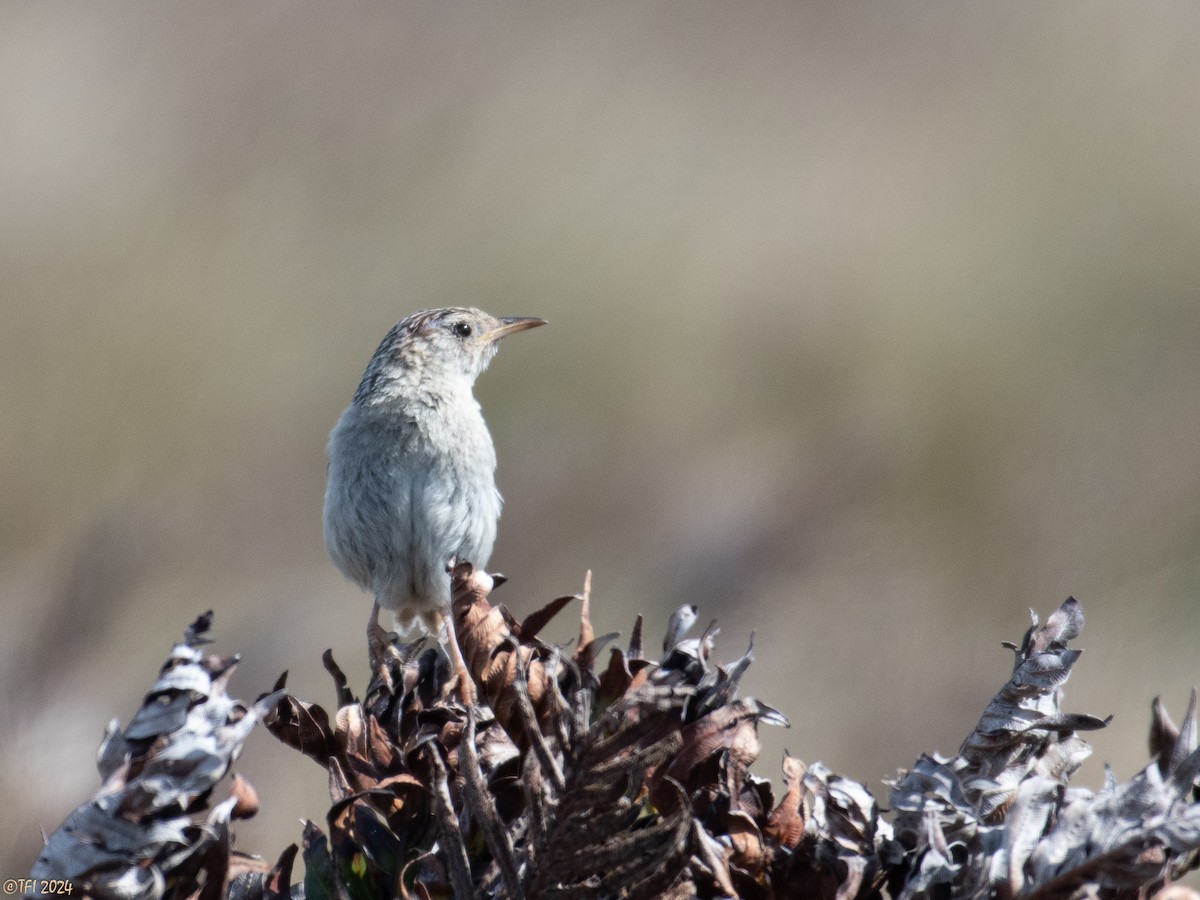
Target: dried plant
x: 584, y: 776
x: 138, y: 836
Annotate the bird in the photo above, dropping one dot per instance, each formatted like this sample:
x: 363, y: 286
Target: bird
x: 410, y: 482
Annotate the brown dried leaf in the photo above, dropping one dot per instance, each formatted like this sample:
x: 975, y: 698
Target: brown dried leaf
x: 743, y: 751
x: 343, y: 693
x: 279, y: 883
x: 246, y: 803
x: 304, y: 727
x: 731, y: 727
x: 1186, y: 738
x: 786, y: 823
x: 480, y: 627
x: 351, y: 735
x: 381, y: 752
x: 749, y: 851
x: 1163, y: 734
x: 615, y: 681
x: 583, y: 653
x: 340, y: 785
x: 713, y: 857
x: 493, y: 653
x: 641, y: 677
x: 635, y: 639
x: 538, y: 619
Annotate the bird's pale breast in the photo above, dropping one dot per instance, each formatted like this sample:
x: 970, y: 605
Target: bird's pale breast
x: 405, y: 494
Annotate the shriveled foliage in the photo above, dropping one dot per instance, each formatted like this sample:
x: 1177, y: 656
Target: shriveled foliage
x: 1000, y: 819
x: 140, y: 835
x: 599, y: 772
x: 631, y: 778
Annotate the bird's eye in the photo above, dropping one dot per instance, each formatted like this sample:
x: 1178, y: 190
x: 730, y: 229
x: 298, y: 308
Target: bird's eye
x: 461, y: 329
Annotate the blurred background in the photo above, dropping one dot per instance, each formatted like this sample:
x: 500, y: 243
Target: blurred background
x: 872, y: 326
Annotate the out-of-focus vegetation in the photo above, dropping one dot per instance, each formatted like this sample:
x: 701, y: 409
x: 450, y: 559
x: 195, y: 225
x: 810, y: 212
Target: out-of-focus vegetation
x: 882, y: 322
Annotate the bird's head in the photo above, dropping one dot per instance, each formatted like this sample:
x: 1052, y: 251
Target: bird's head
x: 436, y: 348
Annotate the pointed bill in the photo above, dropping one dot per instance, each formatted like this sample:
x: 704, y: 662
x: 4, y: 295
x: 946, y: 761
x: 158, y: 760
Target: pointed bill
x: 513, y: 324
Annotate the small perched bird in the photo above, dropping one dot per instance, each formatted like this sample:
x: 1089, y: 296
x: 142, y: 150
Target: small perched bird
x: 411, y: 476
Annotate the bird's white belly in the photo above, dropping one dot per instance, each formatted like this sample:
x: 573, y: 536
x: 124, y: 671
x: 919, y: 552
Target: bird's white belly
x: 393, y: 520
x: 451, y: 514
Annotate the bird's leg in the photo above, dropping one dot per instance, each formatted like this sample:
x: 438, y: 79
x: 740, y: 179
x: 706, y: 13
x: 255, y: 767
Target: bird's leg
x: 373, y: 622
x: 466, y: 684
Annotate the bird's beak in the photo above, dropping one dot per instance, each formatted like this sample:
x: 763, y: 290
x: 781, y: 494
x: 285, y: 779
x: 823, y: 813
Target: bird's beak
x: 513, y: 324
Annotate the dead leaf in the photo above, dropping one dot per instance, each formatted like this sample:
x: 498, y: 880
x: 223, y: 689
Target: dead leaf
x: 246, y: 797
x: 786, y: 824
